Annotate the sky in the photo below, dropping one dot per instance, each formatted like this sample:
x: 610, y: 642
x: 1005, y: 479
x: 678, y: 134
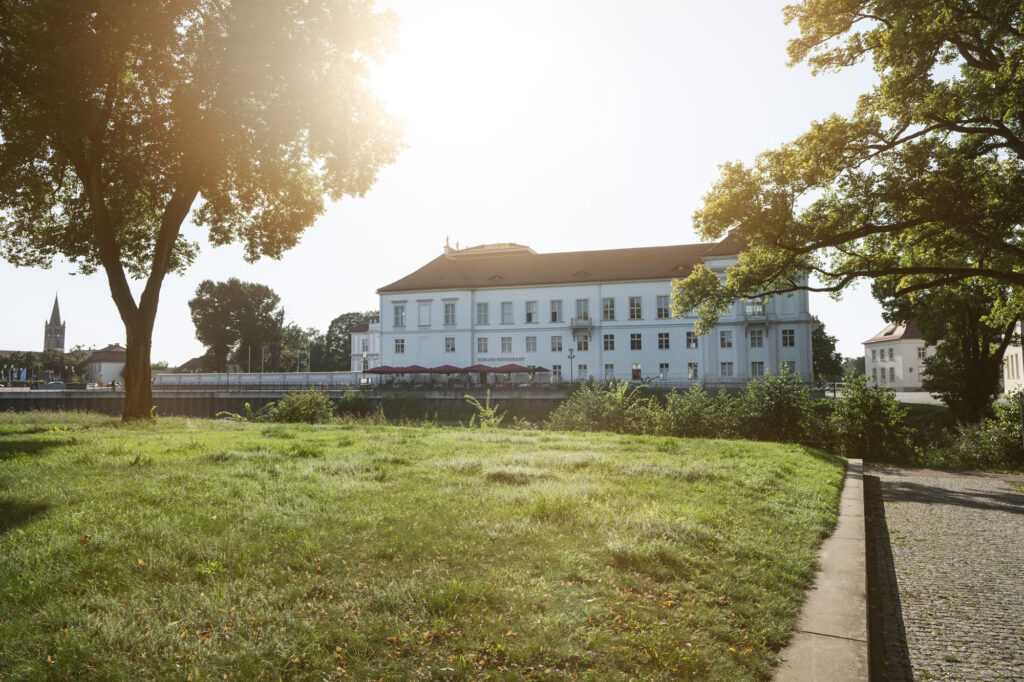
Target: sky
x: 561, y: 125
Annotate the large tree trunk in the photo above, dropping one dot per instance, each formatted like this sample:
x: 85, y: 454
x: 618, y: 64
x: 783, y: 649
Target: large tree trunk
x: 138, y: 388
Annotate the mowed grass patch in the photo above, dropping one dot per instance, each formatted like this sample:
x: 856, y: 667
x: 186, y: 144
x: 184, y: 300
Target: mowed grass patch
x: 212, y: 548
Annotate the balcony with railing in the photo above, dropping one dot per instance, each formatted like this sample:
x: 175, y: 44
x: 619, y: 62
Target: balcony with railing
x: 755, y: 310
x: 583, y: 322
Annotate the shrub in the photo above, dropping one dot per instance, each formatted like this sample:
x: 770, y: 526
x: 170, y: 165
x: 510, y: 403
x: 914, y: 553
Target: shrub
x: 776, y: 407
x: 617, y: 407
x: 695, y: 413
x: 870, y: 423
x: 309, y: 406
x: 355, y: 404
x: 974, y: 446
x: 486, y: 416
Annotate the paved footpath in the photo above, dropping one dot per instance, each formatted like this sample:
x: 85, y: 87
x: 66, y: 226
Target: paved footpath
x: 957, y: 542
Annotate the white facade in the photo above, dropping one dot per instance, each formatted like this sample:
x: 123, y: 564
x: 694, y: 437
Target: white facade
x: 1013, y: 366
x: 104, y: 373
x: 366, y: 346
x: 615, y: 329
x: 895, y: 358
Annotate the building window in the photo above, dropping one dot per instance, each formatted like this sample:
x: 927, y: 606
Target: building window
x: 482, y: 313
x: 609, y: 341
x: 556, y: 372
x: 581, y: 372
x: 726, y: 369
x: 691, y: 340
x: 691, y: 371
x: 607, y: 309
x: 788, y: 366
x: 920, y: 352
x: 892, y: 374
x: 424, y: 314
x: 634, y: 342
x: 449, y: 344
x: 531, y: 312
x: 757, y: 369
x: 609, y: 372
x: 506, y: 344
x: 788, y: 338
x: 725, y: 338
x: 506, y: 312
x: 890, y: 354
x: 636, y: 309
x: 481, y: 344
x: 364, y: 345
x: 662, y: 340
x: 637, y: 375
x: 399, y: 345
x: 664, y: 309
x: 556, y: 344
x: 663, y: 371
x: 756, y: 338
x: 582, y: 309
x: 531, y: 344
x: 556, y: 311
x: 874, y: 374
x: 874, y: 355
x: 583, y: 342
x: 449, y: 314
x: 399, y: 314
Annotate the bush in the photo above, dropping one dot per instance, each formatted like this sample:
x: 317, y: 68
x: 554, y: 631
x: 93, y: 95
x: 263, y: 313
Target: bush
x: 870, y: 423
x: 309, y: 406
x: 617, y: 408
x: 974, y: 446
x: 775, y: 407
x: 695, y: 413
x: 355, y: 404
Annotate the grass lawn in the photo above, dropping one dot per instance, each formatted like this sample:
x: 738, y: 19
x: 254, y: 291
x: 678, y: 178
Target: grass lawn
x: 196, y: 549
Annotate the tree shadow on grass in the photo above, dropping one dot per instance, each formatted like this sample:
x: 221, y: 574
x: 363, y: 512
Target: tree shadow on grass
x: 14, y: 513
x: 21, y: 447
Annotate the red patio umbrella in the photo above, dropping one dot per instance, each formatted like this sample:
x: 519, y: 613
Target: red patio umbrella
x: 482, y: 369
x: 382, y: 369
x: 415, y: 369
x: 445, y: 369
x: 511, y: 368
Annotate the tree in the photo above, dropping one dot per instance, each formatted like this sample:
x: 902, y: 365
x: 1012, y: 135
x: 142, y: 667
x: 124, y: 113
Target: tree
x: 922, y: 183
x: 828, y: 364
x: 338, y: 340
x: 239, y: 318
x: 971, y: 326
x: 853, y: 367
x: 121, y: 119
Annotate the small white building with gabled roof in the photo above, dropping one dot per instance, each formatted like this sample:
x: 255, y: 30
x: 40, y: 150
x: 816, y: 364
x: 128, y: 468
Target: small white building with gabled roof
x: 894, y: 357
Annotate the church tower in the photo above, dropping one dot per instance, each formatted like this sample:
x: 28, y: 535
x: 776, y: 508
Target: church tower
x: 54, y: 335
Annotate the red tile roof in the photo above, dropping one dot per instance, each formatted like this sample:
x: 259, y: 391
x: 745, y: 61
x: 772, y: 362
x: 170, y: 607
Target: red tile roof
x: 895, y: 332
x: 115, y: 352
x: 503, y: 267
x: 364, y: 324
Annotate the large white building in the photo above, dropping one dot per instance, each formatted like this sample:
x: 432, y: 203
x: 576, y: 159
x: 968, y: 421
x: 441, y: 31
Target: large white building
x: 894, y: 357
x: 106, y: 365
x: 1013, y: 366
x: 610, y: 310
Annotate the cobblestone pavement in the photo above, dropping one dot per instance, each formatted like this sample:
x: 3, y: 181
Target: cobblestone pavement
x: 957, y: 557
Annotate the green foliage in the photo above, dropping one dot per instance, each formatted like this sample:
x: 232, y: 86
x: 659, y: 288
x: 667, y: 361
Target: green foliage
x: 993, y: 444
x: 921, y: 182
x: 870, y: 423
x: 239, y: 318
x: 309, y: 406
x: 828, y: 364
x: 695, y: 413
x: 486, y: 416
x: 774, y: 407
x: 617, y: 407
x: 250, y: 415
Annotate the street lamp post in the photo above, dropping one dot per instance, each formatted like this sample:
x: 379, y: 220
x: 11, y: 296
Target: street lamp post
x: 572, y: 354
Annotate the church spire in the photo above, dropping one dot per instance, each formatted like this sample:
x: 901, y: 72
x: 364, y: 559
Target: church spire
x: 55, y: 315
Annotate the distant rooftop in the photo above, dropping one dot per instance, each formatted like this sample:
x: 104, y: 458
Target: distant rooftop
x: 896, y: 332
